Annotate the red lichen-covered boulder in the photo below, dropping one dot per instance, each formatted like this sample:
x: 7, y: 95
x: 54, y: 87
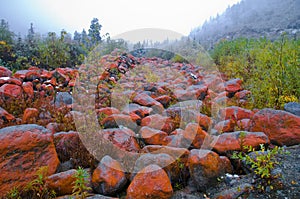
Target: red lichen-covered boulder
x: 107, y: 111
x: 10, y: 80
x: 24, y: 149
x: 227, y: 164
x: 200, y: 91
x: 141, y: 111
x: 243, y: 124
x: 196, y: 135
x: 28, y: 75
x: 123, y: 139
x: 235, y: 112
x: 150, y: 182
x: 195, y: 117
x: 5, y: 117
x: 236, y: 140
x: 109, y: 177
x: 5, y: 72
x: 70, y: 147
x: 205, y: 167
x: 169, y: 163
x: 242, y: 94
x: 183, y: 95
x: 53, y: 127
x: 135, y: 118
x: 145, y: 100
x: 11, y: 90
x: 178, y: 139
x: 225, y: 126
x: 117, y: 120
x: 233, y: 85
x: 281, y: 127
x: 46, y: 74
x: 164, y: 100
x: 153, y: 136
x: 163, y: 160
x: 159, y: 122
x: 62, y: 183
x: 28, y: 88
x: 181, y: 153
x: 186, y: 113
x: 30, y: 115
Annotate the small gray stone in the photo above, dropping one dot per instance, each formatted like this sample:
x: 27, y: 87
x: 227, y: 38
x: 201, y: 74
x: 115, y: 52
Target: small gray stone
x: 292, y: 107
x: 183, y: 195
x: 96, y: 196
x: 63, y: 98
x: 234, y: 192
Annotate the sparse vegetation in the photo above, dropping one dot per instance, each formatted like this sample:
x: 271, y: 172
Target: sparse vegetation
x: 60, y: 115
x: 150, y: 76
x: 262, y: 162
x: 180, y: 168
x: 37, y: 188
x: 268, y: 69
x: 80, y: 188
x: 13, y: 194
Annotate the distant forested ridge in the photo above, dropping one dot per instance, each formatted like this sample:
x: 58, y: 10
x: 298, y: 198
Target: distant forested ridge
x: 251, y: 18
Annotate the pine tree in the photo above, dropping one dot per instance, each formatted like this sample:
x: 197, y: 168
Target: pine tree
x: 31, y: 47
x: 85, y: 39
x: 5, y: 34
x: 77, y: 37
x: 7, y: 55
x: 94, y: 31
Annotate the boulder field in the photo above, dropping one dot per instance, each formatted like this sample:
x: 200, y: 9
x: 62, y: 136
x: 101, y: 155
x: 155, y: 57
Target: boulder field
x: 141, y: 127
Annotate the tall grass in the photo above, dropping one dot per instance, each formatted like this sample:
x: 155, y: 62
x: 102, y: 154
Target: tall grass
x: 269, y: 69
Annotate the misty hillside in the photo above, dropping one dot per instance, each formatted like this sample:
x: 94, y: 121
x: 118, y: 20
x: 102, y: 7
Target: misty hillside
x: 251, y: 18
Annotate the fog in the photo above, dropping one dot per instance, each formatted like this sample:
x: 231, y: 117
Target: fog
x: 115, y: 16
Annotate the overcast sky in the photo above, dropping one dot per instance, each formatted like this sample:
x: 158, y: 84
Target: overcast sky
x: 115, y: 16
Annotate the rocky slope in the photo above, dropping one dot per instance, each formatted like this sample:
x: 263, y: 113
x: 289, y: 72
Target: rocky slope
x: 141, y: 127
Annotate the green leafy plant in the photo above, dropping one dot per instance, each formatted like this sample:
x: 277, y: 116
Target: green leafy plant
x: 13, y: 194
x: 264, y: 160
x: 180, y: 169
x: 178, y: 186
x: 180, y: 164
x: 37, y: 188
x: 242, y: 137
x: 80, y: 188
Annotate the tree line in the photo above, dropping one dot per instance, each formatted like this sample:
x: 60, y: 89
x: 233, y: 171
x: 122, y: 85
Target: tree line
x: 50, y: 51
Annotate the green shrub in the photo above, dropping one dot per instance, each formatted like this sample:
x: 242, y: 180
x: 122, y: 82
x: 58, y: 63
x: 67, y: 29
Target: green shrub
x: 270, y: 70
x: 179, y: 59
x: 263, y: 162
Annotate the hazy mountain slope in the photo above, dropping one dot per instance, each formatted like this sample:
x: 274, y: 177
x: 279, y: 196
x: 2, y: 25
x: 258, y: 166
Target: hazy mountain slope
x: 251, y: 18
